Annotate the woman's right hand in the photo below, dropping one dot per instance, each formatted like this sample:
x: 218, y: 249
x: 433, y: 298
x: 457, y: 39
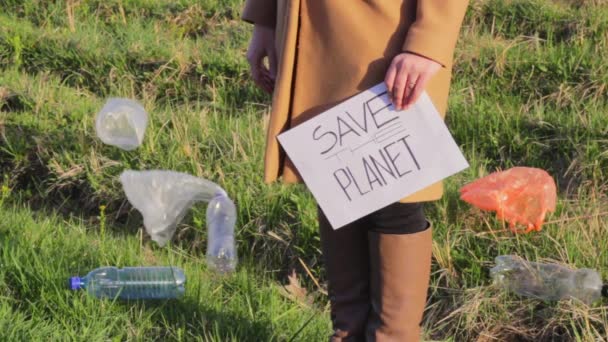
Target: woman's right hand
x: 260, y: 47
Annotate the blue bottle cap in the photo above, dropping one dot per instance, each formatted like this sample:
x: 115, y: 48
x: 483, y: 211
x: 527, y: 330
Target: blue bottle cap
x: 75, y: 283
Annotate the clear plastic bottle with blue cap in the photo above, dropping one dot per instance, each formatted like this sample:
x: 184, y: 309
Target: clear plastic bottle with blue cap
x: 132, y: 283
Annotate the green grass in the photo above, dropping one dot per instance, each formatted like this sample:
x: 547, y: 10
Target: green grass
x: 530, y: 87
x: 37, y: 259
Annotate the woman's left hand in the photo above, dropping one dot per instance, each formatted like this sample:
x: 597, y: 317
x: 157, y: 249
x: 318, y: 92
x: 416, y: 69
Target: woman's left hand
x: 407, y: 77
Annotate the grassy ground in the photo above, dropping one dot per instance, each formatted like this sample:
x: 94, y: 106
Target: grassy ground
x: 530, y: 88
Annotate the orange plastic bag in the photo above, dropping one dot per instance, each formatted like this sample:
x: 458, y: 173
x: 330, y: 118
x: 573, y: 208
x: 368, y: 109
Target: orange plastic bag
x: 521, y: 195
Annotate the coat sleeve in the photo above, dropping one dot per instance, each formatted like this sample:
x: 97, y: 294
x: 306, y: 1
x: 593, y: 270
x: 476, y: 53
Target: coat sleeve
x: 435, y: 31
x: 261, y: 12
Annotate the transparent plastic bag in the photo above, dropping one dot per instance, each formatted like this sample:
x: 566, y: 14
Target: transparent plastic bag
x: 546, y: 281
x: 520, y: 195
x: 122, y: 123
x: 164, y: 197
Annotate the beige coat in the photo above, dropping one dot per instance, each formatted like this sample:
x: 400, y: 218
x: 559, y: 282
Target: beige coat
x: 330, y: 50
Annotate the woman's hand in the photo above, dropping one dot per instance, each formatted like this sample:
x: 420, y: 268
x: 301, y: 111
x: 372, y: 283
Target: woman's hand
x: 407, y: 77
x: 260, y: 47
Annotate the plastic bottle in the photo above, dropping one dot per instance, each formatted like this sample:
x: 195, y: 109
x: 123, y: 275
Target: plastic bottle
x: 132, y: 282
x: 547, y: 281
x: 164, y: 197
x: 221, y: 218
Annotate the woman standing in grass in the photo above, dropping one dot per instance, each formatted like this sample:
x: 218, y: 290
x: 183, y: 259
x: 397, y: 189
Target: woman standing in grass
x: 321, y: 52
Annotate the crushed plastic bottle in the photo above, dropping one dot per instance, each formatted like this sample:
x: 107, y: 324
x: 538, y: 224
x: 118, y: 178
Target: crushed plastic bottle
x: 122, y: 123
x: 132, y: 282
x: 164, y: 197
x: 547, y: 281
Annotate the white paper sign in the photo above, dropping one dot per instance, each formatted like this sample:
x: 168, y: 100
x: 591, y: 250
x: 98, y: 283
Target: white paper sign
x: 362, y: 155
